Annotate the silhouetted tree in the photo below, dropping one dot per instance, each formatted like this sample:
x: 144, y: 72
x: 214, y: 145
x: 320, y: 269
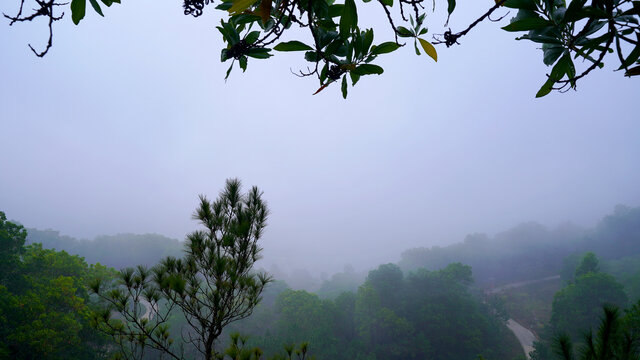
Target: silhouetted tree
x: 212, y: 286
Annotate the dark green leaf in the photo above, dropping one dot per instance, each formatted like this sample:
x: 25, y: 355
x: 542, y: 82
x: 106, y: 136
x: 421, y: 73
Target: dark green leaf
x: 323, y: 73
x: 573, y: 10
x: 268, y: 26
x: 368, y: 40
x: 232, y: 35
x: 584, y: 55
x: 334, y: 46
x: 78, y: 8
x: 571, y: 69
x: 326, y: 37
x: 594, y: 42
x: 385, y: 47
x: 588, y: 12
x: 358, y: 43
x: 562, y: 67
x: 344, y: 86
x: 243, y: 63
x: 223, y: 31
x: 404, y: 32
x: 96, y: 7
x: 387, y: 2
x: 252, y: 37
x: 321, y: 8
x: 521, y: 4
x: 349, y: 18
x: 108, y: 2
x: 259, y: 53
x: 244, y: 18
x: 627, y: 18
x: 532, y: 23
x: 229, y: 71
x: 326, y: 24
x: 541, y: 39
x: 312, y: 56
x: 451, y: 6
x: 367, y: 69
x: 558, y: 14
x: 336, y: 10
x: 292, y: 46
x: 551, y: 53
x: 633, y: 55
x: 354, y: 78
x: 595, y: 26
x: 546, y: 88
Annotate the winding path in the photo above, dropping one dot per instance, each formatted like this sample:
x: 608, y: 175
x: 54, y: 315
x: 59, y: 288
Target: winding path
x: 525, y: 336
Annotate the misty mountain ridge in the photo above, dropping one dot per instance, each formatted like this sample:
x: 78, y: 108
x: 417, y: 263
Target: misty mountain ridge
x: 529, y: 250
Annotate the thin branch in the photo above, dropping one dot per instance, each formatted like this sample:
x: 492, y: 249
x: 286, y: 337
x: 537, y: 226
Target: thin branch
x: 451, y: 39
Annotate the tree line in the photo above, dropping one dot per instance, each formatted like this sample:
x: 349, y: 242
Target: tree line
x: 55, y: 306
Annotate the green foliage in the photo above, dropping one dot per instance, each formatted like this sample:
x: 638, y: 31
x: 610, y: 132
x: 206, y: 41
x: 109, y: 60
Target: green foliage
x: 337, y: 47
x: 78, y: 8
x: 45, y: 309
x: 212, y: 286
x: 615, y: 339
x: 577, y: 306
x: 577, y: 30
x: 12, y: 238
x: 339, y: 283
x: 302, y: 318
x: 589, y: 264
x: 387, y: 280
x: 426, y: 314
x: 627, y: 272
x: 117, y: 251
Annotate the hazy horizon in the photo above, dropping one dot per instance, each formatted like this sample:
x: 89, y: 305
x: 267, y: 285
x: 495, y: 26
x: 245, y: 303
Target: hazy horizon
x: 128, y: 119
x: 360, y: 264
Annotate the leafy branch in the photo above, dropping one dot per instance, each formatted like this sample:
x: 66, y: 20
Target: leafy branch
x: 338, y: 47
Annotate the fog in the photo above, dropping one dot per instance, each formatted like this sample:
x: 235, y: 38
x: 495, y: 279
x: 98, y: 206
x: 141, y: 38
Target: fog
x: 128, y: 119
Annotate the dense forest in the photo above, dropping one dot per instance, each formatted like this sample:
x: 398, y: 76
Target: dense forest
x: 436, y: 303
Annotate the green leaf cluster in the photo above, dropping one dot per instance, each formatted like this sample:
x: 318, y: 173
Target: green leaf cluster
x: 578, y: 30
x: 79, y: 7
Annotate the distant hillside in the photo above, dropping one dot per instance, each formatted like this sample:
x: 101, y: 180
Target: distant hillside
x: 531, y: 251
x: 118, y: 251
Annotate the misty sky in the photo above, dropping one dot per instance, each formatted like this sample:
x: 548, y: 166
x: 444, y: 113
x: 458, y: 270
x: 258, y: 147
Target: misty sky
x: 128, y: 119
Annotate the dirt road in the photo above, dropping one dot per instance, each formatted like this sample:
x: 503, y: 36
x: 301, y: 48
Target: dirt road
x: 524, y: 335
